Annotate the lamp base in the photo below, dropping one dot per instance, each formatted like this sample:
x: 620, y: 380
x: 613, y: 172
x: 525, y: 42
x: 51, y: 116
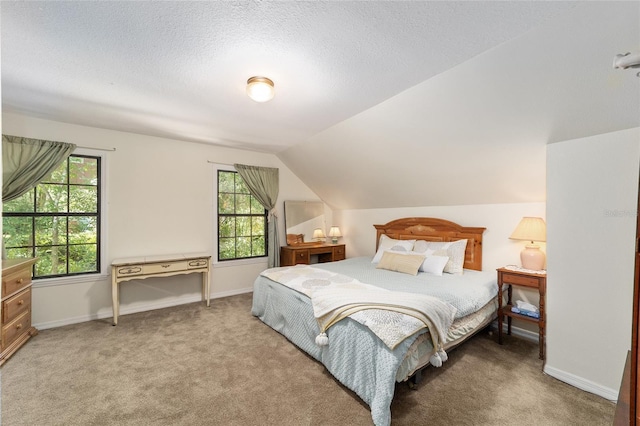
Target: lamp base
x: 334, y: 240
x: 532, y: 258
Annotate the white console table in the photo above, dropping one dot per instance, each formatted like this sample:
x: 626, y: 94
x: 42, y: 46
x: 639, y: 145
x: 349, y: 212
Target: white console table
x: 138, y: 268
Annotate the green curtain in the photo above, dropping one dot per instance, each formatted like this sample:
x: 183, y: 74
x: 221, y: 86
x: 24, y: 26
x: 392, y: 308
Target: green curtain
x: 264, y: 184
x: 25, y: 162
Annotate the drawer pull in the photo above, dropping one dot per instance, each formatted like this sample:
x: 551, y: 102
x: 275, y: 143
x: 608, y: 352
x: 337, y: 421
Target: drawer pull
x: 19, y: 281
x: 18, y: 326
x: 20, y: 302
x: 166, y: 265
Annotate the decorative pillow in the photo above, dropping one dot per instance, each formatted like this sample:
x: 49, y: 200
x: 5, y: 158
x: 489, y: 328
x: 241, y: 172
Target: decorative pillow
x: 421, y: 246
x: 455, y: 251
x: 387, y: 243
x: 434, y: 264
x: 401, y: 262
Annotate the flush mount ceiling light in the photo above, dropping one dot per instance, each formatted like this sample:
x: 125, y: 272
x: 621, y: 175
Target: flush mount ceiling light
x: 260, y: 89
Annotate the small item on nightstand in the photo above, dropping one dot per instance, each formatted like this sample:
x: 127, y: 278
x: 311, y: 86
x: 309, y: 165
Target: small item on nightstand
x: 525, y: 308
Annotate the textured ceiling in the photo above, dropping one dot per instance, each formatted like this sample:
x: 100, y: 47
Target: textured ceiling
x: 477, y: 134
x: 378, y: 104
x: 178, y: 69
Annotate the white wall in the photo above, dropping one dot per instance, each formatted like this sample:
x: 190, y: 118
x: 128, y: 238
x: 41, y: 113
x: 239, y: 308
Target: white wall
x: 160, y: 195
x: 591, y: 221
x: 498, y: 250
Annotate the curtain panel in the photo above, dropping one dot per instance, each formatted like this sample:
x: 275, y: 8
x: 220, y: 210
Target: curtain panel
x: 264, y: 184
x: 25, y: 162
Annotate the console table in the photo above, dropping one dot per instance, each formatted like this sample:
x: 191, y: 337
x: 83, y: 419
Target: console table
x: 138, y: 268
x: 301, y: 253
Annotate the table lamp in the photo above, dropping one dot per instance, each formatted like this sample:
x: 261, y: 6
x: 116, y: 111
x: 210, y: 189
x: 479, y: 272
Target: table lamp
x: 531, y: 229
x: 334, y: 233
x: 318, y: 234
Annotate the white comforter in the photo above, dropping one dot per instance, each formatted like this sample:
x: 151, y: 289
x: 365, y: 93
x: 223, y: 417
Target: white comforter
x: 392, y: 316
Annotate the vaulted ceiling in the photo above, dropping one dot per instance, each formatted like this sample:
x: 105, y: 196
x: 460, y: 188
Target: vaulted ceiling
x: 378, y: 104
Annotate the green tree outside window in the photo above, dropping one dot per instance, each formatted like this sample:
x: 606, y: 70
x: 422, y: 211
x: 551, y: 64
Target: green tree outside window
x: 242, y: 221
x: 58, y: 221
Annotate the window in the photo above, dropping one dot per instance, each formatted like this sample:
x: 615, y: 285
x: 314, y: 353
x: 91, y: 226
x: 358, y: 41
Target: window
x: 58, y: 221
x: 242, y: 221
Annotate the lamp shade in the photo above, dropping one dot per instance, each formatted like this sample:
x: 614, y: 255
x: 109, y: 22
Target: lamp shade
x: 260, y: 89
x: 334, y: 233
x: 530, y: 229
x: 318, y: 234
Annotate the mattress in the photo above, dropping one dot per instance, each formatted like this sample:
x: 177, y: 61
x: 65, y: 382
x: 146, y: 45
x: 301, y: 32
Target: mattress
x: 355, y: 356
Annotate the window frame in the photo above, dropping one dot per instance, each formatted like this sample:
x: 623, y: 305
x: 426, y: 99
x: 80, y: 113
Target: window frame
x: 101, y: 226
x: 216, y: 243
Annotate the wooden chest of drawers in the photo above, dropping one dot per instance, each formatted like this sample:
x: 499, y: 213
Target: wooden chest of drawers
x: 294, y: 255
x: 15, y: 317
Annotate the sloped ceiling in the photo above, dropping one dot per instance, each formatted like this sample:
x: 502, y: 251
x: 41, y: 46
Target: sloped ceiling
x: 477, y: 133
x: 378, y: 104
x: 179, y: 69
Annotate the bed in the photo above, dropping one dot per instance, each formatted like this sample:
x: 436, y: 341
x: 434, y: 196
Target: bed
x: 356, y: 356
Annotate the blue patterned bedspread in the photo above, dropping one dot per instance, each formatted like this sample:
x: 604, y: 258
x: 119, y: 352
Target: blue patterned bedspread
x: 355, y: 356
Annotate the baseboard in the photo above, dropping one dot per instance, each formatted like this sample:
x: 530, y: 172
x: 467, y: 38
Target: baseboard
x: 517, y: 331
x: 580, y: 383
x: 108, y: 313
x: 563, y: 376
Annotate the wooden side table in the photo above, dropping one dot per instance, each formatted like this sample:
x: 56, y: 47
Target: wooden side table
x: 510, y: 278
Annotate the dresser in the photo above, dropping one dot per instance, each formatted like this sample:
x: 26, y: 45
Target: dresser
x: 305, y: 253
x: 16, y: 306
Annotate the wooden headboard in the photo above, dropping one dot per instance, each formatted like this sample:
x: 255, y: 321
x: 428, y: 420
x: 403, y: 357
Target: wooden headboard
x: 430, y: 229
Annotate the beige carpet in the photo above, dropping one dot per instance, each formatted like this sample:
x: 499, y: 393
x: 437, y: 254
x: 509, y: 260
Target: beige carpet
x: 192, y: 365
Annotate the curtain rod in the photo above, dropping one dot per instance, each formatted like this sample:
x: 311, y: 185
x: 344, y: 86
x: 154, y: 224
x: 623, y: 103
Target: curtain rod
x: 97, y: 149
x: 222, y: 164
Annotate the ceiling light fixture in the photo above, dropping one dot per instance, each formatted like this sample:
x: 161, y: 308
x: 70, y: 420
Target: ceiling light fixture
x: 260, y: 89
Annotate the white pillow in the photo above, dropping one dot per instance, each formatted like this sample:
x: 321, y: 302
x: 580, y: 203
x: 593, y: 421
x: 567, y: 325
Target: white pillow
x: 455, y: 250
x: 434, y: 264
x: 387, y: 243
x: 421, y: 246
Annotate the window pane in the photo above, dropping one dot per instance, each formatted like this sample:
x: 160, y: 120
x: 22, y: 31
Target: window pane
x: 227, y: 227
x: 241, y: 219
x: 257, y: 226
x: 83, y: 230
x: 243, y: 226
x: 59, y: 175
x: 243, y: 205
x: 256, y: 207
x: 226, y: 204
x: 17, y: 253
x: 51, y: 261
x: 83, y: 171
x: 226, y: 181
x: 227, y: 248
x: 51, y: 230
x: 257, y: 246
x: 83, y: 199
x: 51, y: 198
x: 243, y: 247
x: 82, y: 258
x: 241, y: 186
x: 17, y: 231
x: 22, y: 204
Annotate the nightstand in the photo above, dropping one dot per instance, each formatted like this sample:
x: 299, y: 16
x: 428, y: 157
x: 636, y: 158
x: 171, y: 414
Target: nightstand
x: 510, y: 278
